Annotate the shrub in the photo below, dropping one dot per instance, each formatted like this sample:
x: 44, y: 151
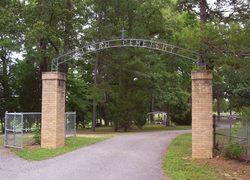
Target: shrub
x: 236, y: 127
x: 234, y: 151
x: 37, y: 134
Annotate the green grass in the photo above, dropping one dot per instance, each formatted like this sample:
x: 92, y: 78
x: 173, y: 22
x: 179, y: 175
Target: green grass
x: 162, y: 128
x: 146, y: 128
x: 178, y: 164
x: 72, y: 143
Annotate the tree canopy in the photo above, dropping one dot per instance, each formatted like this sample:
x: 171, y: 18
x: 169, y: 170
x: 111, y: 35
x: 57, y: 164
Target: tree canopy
x: 121, y: 85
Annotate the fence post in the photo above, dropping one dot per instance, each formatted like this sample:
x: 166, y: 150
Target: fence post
x: 65, y: 124
x: 75, y: 122
x: 14, y: 130
x: 22, y: 130
x: 247, y: 124
x: 5, y: 126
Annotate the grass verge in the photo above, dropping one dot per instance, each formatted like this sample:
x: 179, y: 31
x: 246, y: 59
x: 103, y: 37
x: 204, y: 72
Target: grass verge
x: 163, y: 128
x: 178, y: 164
x: 146, y: 128
x: 72, y: 143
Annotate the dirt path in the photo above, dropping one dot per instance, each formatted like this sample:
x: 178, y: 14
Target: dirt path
x: 130, y: 157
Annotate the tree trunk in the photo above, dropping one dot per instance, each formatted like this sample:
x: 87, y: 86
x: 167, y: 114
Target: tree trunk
x: 94, y: 116
x: 203, y: 19
x: 168, y: 115
x: 151, y: 116
x: 44, y: 62
x: 230, y: 107
x: 125, y: 128
x: 6, y: 99
x: 67, y: 34
x: 115, y: 126
x: 95, y: 83
x: 218, y: 105
x: 104, y: 116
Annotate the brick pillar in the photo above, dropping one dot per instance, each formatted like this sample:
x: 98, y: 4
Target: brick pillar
x: 53, y: 110
x: 202, y: 120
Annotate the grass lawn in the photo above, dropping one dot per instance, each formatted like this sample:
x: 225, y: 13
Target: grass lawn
x: 162, y: 128
x: 146, y: 128
x: 35, y: 153
x: 178, y: 163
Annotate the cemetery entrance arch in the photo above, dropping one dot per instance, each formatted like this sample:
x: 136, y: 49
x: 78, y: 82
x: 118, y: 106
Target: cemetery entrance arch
x: 53, y: 94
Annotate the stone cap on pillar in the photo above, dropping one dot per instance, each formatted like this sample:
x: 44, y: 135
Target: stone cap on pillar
x: 202, y: 74
x: 54, y: 76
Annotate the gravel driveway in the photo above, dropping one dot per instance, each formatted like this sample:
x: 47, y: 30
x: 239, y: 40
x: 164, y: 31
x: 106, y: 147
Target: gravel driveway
x: 135, y: 156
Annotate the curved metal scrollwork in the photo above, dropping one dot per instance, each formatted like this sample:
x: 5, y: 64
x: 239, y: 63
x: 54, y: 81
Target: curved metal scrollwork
x: 116, y: 43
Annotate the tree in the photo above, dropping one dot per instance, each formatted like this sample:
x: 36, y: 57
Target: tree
x: 119, y: 85
x: 77, y: 96
x: 10, y: 42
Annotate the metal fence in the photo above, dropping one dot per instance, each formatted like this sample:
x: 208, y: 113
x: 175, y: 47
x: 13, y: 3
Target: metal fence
x: 70, y: 124
x: 231, y: 129
x: 20, y: 128
x: 13, y: 130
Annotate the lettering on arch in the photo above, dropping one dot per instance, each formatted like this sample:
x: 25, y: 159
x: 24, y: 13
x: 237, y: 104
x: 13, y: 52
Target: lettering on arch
x: 137, y: 43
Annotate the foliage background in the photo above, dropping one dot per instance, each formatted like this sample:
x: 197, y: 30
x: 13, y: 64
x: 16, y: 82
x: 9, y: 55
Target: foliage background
x: 121, y: 85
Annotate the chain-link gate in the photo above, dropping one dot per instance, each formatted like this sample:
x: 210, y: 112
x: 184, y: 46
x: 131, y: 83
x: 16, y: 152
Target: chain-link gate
x: 31, y: 121
x: 70, y: 124
x: 21, y: 127
x: 13, y: 130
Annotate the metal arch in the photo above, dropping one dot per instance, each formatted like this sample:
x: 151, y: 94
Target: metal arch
x: 127, y: 42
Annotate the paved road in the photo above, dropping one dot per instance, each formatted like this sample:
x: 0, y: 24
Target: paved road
x: 125, y: 157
